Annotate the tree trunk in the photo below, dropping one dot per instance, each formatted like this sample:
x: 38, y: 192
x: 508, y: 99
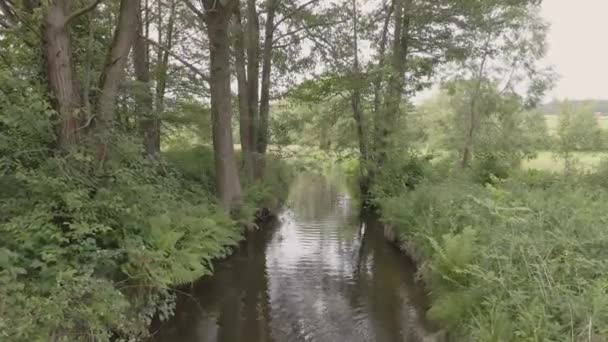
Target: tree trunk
x: 247, y: 149
x: 467, y: 151
x: 65, y: 98
x: 88, y: 76
x: 113, y: 73
x: 253, y: 76
x: 266, y: 72
x: 227, y: 179
x: 148, y: 120
x: 392, y: 99
x: 356, y: 105
x: 382, y: 54
x: 163, y: 56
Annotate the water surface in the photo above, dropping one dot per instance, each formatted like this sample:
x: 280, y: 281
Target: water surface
x: 317, y: 273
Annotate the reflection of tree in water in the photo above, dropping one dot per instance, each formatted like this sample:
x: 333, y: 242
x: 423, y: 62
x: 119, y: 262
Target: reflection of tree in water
x: 244, y: 316
x: 381, y: 287
x: 386, y: 280
x: 232, y: 305
x: 314, y: 197
x: 315, y: 278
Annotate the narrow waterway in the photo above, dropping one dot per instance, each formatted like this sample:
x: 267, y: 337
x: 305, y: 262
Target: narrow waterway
x: 318, y: 273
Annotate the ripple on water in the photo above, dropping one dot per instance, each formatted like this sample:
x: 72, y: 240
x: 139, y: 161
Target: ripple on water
x: 318, y: 275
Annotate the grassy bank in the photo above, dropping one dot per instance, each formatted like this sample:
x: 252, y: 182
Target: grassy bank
x: 521, y: 260
x: 90, y: 254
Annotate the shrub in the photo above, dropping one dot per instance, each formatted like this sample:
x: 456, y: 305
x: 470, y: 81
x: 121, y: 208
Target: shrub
x: 401, y: 174
x: 489, y: 167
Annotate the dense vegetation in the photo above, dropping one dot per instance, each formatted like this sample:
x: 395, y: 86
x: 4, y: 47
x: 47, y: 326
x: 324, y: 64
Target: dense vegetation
x: 108, y: 197
x: 120, y: 180
x: 514, y: 259
x: 90, y: 252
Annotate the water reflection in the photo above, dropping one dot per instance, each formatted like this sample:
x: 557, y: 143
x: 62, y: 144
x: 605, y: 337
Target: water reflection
x: 316, y: 274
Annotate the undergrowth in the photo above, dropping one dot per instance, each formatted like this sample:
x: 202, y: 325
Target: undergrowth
x: 523, y: 259
x: 90, y: 252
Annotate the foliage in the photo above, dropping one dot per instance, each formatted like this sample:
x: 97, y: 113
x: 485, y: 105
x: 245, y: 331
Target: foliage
x: 401, y: 174
x: 195, y: 164
x: 90, y: 253
x: 536, y: 130
x: 91, y: 243
x: 322, y: 123
x: 521, y: 260
x: 502, y: 131
x: 577, y: 130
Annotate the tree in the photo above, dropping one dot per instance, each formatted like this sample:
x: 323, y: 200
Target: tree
x: 149, y: 122
x: 113, y: 73
x: 506, y: 39
x: 267, y: 55
x: 245, y: 116
x: 536, y: 129
x: 247, y: 71
x: 577, y: 130
x: 217, y: 16
x: 60, y: 69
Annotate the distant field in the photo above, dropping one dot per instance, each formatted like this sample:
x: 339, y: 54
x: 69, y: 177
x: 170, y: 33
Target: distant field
x: 547, y: 161
x: 552, y: 121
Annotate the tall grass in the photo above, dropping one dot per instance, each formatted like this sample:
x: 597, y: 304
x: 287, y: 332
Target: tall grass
x: 522, y: 260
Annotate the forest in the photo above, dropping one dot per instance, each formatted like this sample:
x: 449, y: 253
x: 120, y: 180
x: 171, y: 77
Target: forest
x: 141, y: 141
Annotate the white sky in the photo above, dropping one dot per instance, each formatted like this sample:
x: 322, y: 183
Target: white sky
x: 578, y: 47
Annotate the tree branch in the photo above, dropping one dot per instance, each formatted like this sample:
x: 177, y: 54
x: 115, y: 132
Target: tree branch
x: 202, y: 16
x: 9, y: 13
x: 307, y: 27
x: 4, y: 26
x: 292, y: 13
x: 82, y: 11
x: 189, y: 65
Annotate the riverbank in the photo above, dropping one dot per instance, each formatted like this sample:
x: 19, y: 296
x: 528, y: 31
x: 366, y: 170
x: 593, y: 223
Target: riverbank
x: 95, y: 254
x: 516, y: 260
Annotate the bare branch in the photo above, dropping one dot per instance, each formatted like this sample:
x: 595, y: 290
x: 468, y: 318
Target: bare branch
x: 202, y: 16
x: 4, y: 26
x: 307, y: 27
x: 82, y: 11
x: 282, y: 46
x: 9, y: 13
x: 189, y: 65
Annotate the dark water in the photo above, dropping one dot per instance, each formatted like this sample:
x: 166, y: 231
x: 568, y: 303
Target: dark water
x: 315, y: 274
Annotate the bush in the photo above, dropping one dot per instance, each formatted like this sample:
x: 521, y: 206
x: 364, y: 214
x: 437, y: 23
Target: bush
x: 196, y: 164
x: 599, y: 178
x: 401, y: 174
x: 489, y: 167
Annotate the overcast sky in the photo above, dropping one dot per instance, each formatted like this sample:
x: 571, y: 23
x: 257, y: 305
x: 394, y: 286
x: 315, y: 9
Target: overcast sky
x: 578, y: 47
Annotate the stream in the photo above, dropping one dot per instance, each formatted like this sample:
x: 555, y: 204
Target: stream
x: 317, y: 272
